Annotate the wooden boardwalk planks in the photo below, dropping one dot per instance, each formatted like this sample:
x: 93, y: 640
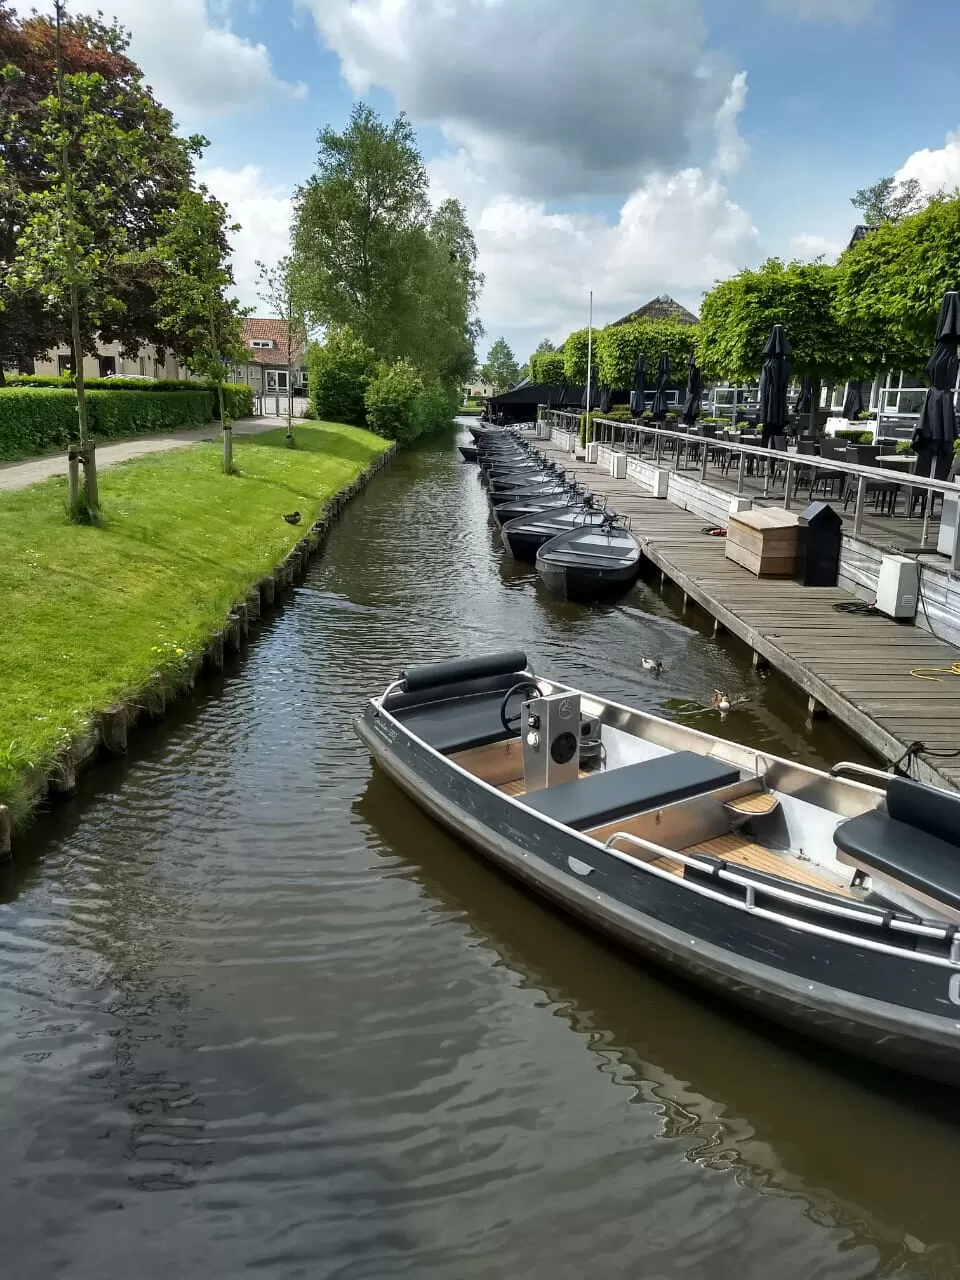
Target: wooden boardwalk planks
x: 857, y: 667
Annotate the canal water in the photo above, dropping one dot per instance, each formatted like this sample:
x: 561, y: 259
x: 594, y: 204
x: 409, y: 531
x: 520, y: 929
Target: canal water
x: 260, y: 1016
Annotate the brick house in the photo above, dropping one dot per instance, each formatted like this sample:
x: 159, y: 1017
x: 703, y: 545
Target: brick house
x: 267, y: 356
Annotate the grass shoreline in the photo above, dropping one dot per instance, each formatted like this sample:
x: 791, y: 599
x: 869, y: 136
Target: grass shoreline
x: 100, y: 616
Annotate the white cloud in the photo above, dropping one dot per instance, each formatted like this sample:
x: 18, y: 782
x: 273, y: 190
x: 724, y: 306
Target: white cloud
x: 195, y: 63
x: 849, y: 11
x: 807, y: 247
x: 552, y: 99
x: 674, y: 233
x: 265, y: 214
x: 935, y: 170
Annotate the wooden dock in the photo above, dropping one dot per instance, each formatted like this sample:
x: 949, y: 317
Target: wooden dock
x: 853, y: 666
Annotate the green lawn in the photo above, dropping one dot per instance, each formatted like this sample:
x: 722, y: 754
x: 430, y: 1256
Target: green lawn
x: 92, y: 613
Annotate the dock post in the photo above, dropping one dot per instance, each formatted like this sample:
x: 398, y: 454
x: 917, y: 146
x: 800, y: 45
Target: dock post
x: 759, y: 661
x: 113, y: 729
x: 5, y: 833
x: 788, y: 487
x: 815, y: 709
x: 718, y: 628
x: 741, y: 468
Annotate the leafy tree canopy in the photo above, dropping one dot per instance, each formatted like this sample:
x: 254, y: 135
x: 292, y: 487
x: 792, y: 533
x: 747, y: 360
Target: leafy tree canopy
x: 371, y: 253
x: 129, y: 169
x: 888, y: 201
x: 501, y: 369
x: 891, y: 283
x: 738, y: 314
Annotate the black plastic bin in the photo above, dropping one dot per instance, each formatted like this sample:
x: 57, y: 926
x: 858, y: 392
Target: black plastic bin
x: 818, y: 546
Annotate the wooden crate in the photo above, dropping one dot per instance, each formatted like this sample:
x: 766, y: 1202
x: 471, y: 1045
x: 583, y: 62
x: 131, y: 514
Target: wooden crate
x: 764, y: 541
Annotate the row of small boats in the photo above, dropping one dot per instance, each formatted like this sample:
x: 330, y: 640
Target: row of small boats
x: 581, y: 550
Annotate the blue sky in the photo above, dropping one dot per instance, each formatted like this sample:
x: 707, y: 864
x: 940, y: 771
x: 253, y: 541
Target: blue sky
x: 635, y: 147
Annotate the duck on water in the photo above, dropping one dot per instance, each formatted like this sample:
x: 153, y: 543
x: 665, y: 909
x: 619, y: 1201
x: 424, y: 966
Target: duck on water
x: 826, y: 903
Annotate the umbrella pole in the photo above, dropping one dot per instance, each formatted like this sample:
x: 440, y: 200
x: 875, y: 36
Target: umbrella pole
x: 588, y: 435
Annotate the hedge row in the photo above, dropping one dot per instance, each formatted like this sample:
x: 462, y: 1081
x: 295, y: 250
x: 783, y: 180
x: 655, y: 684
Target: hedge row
x: 237, y: 397
x: 38, y: 420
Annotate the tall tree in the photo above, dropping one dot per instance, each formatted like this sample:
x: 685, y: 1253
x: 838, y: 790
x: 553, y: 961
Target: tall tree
x: 888, y: 201
x: 132, y: 197
x: 279, y: 289
x: 544, y: 345
x: 358, y: 228
x: 371, y: 254
x: 192, y: 281
x: 500, y: 370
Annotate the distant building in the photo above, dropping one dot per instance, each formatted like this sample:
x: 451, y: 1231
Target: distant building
x: 265, y: 346
x: 662, y: 308
x: 109, y: 363
x: 480, y: 390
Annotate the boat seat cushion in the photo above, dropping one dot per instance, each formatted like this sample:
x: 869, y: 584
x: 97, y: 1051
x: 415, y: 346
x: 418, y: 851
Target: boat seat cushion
x: 457, y: 724
x: 613, y: 793
x: 901, y: 852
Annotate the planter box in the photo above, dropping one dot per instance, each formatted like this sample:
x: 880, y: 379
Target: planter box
x: 618, y: 466
x: 591, y: 452
x: 764, y: 541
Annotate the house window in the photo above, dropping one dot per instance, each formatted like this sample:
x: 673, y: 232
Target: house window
x: 262, y: 344
x: 108, y: 366
x: 64, y: 365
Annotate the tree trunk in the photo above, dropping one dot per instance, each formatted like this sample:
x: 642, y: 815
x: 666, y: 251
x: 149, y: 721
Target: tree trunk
x: 87, y: 447
x: 3, y: 378
x: 815, y: 385
x: 289, y: 403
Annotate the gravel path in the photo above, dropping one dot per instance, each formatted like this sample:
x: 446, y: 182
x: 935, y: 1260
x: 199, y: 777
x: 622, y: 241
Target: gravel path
x: 18, y: 475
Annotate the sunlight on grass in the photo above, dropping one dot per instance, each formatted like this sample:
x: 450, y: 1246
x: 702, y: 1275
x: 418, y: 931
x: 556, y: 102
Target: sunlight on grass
x: 92, y: 613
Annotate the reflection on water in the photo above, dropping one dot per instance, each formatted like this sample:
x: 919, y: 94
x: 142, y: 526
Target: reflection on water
x: 258, y: 1014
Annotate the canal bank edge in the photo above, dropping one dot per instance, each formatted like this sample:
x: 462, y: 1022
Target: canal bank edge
x: 109, y: 729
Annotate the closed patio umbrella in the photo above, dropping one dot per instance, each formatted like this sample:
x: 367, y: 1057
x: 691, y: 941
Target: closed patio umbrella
x: 638, y: 393
x: 658, y: 410
x: 593, y: 397
x: 562, y: 397
x: 691, y: 403
x: 804, y: 401
x: 606, y: 398
x: 773, y: 385
x: 937, y: 429
x: 853, y: 401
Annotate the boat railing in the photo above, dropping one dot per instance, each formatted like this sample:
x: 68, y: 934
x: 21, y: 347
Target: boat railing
x: 610, y: 433
x: 863, y: 915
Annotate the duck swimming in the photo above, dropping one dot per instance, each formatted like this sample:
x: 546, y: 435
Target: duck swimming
x: 652, y: 664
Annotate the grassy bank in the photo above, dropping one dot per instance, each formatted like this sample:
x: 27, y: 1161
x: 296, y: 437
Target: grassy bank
x: 93, y: 614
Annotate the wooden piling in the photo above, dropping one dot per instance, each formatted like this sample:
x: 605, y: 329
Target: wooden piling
x: 268, y: 593
x: 253, y: 604
x: 113, y: 729
x: 215, y: 651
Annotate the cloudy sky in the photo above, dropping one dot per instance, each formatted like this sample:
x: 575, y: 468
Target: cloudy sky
x: 635, y: 147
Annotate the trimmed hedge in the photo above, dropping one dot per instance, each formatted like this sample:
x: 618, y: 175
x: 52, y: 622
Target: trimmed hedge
x: 38, y: 420
x: 237, y: 397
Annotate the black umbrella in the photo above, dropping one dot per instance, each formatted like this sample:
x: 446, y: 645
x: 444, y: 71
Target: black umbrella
x: 804, y: 401
x: 691, y: 403
x: 562, y: 397
x: 658, y: 410
x: 773, y: 385
x: 638, y: 395
x: 593, y: 396
x: 606, y: 398
x: 853, y: 401
x: 937, y: 429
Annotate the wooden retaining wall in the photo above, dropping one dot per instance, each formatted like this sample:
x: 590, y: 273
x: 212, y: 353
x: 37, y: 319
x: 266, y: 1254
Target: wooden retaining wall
x: 109, y: 733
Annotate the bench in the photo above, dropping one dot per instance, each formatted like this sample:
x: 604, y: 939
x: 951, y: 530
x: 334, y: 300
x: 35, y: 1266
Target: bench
x: 614, y: 793
x: 912, y: 844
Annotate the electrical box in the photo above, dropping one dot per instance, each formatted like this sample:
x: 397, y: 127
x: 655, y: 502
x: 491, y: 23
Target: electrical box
x: 618, y: 465
x: 550, y: 732
x: 898, y: 586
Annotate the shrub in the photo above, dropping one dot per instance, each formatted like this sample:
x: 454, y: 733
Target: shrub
x: 852, y: 436
x: 390, y: 401
x: 434, y: 408
x: 37, y: 420
x: 237, y: 397
x: 340, y: 371
x: 546, y: 366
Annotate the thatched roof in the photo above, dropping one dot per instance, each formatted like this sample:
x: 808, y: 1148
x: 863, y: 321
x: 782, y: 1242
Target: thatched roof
x: 662, y: 308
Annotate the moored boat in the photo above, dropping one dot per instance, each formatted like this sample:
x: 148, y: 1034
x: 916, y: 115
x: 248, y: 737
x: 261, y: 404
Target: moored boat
x: 821, y: 902
x: 524, y: 536
x: 590, y: 562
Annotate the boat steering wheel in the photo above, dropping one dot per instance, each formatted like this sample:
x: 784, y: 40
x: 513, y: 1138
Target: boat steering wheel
x: 512, y: 722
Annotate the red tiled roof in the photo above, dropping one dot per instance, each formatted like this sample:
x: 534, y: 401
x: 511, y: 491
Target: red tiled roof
x: 274, y: 331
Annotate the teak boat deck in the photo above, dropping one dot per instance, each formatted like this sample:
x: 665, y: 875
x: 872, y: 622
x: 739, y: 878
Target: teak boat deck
x: 501, y: 765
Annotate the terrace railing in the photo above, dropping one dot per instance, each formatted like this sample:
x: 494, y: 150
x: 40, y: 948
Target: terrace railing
x: 722, y: 453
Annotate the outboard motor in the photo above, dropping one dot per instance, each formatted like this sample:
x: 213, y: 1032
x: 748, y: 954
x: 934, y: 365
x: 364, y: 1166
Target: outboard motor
x: 550, y: 732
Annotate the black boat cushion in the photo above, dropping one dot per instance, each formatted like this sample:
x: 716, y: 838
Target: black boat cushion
x: 931, y: 810
x: 432, y: 675
x: 614, y: 793
x: 902, y: 852
x: 457, y: 724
